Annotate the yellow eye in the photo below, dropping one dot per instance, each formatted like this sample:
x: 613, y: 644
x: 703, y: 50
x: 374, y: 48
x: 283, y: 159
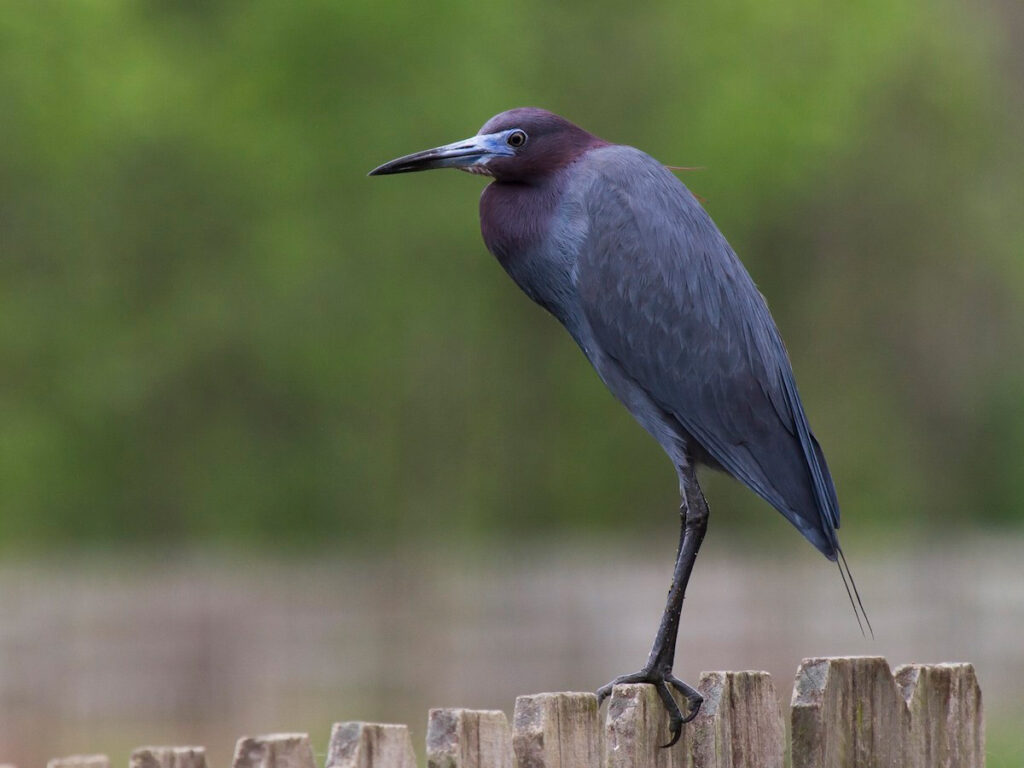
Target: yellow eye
x: 516, y: 139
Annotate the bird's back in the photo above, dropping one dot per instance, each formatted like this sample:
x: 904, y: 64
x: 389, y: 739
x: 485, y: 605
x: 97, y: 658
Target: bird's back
x: 668, y: 302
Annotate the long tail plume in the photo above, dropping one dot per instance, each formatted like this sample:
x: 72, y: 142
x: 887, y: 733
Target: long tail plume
x: 853, y: 594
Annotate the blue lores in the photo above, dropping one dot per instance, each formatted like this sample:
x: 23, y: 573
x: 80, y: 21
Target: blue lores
x: 613, y: 245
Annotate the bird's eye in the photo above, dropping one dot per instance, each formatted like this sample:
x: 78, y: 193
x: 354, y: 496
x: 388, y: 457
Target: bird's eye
x: 516, y: 139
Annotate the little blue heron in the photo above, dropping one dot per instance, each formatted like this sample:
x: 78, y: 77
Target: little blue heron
x: 613, y: 245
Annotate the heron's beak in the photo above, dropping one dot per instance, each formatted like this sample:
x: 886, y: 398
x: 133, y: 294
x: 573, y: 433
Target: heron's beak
x: 471, y: 154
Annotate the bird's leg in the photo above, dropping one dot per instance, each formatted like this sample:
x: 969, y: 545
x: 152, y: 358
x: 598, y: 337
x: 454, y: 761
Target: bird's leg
x: 693, y: 513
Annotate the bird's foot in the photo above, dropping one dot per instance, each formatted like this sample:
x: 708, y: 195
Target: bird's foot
x: 661, y: 679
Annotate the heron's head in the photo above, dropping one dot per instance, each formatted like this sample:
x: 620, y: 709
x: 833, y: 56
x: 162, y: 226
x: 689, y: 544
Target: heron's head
x: 520, y: 145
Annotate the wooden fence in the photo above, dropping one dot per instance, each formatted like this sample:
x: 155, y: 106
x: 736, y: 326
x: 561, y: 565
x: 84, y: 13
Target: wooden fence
x: 845, y: 713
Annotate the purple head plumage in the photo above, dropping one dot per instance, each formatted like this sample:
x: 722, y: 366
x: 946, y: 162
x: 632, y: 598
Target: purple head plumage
x: 518, y: 145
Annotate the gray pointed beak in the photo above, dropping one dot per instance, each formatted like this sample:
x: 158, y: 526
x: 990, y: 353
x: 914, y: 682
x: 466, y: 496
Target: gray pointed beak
x: 475, y: 151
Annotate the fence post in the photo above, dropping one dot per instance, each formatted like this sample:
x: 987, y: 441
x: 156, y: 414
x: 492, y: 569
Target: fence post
x: 947, y: 727
x: 853, y: 712
x: 739, y: 724
x: 848, y: 713
x: 468, y: 738
x: 168, y: 757
x: 275, y: 750
x: 636, y: 727
x: 370, y: 745
x: 557, y: 730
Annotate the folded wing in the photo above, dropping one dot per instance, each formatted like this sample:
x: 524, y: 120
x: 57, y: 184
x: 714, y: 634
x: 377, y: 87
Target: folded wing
x: 669, y: 301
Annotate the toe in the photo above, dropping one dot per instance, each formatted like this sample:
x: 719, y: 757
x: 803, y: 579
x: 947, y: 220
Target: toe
x: 636, y: 677
x: 675, y: 716
x: 694, y: 708
x: 693, y: 699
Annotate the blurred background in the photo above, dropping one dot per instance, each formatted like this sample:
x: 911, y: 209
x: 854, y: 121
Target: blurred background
x: 282, y: 445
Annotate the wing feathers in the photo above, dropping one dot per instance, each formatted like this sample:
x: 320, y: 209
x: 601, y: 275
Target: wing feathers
x: 667, y: 298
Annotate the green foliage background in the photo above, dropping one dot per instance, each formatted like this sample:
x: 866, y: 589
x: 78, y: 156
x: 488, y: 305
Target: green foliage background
x: 216, y: 328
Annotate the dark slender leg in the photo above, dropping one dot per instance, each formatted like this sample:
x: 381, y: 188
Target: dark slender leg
x: 693, y: 524
x: 693, y: 513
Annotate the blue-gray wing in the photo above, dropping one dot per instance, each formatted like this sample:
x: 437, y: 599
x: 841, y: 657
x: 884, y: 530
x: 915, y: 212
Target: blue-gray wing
x: 669, y: 301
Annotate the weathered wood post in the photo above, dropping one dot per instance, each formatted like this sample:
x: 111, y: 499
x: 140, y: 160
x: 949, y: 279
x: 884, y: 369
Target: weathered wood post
x: 557, y: 730
x: 852, y: 713
x: 847, y: 712
x: 636, y: 727
x: 467, y: 738
x: 275, y: 750
x: 947, y: 726
x: 370, y: 745
x: 739, y: 725
x: 168, y: 757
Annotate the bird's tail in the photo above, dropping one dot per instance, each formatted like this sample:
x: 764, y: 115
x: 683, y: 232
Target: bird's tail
x: 852, y: 592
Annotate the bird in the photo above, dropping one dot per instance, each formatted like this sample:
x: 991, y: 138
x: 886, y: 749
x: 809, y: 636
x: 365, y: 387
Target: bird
x: 614, y: 245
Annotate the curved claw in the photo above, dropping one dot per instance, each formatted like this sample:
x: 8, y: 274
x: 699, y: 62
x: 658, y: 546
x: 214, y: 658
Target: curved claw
x: 693, y: 699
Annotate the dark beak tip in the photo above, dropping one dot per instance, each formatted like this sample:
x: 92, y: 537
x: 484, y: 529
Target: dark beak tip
x: 392, y: 167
